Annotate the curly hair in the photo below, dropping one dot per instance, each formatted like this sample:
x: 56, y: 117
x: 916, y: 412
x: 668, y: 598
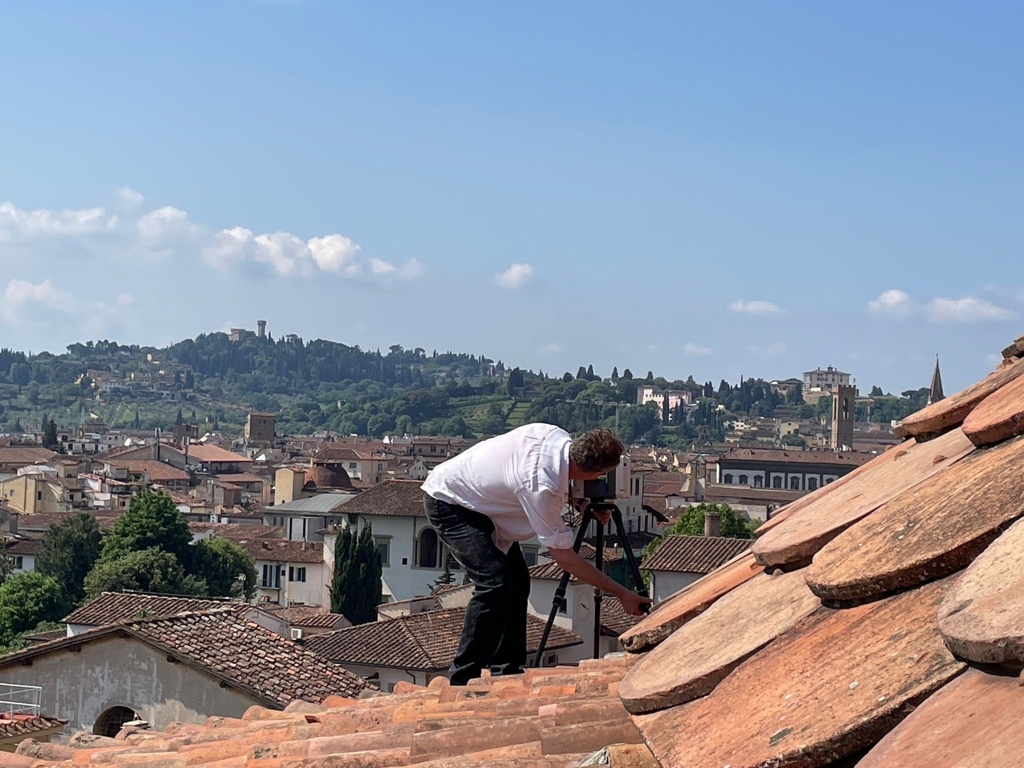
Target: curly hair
x: 596, y: 450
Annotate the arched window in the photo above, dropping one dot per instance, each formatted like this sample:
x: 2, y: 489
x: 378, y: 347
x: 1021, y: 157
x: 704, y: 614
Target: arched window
x: 794, y: 483
x: 777, y: 482
x: 727, y: 479
x: 812, y: 484
x: 429, y: 549
x: 743, y: 479
x: 112, y: 720
x: 758, y: 482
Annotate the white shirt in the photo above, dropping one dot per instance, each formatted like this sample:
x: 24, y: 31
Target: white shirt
x: 520, y: 480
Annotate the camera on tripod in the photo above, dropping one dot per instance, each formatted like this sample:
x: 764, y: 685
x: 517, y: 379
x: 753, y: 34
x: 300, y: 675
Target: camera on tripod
x: 613, y: 484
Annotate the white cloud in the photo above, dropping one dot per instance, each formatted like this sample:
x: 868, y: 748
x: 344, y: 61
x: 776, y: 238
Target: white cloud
x: 15, y: 222
x: 894, y: 303
x: 168, y: 231
x: 966, y: 310
x: 755, y: 307
x: 515, y: 276
x: 22, y: 298
x: 772, y: 350
x: 551, y: 349
x: 692, y: 349
x: 129, y: 198
x: 969, y: 309
x: 336, y: 253
x: 36, y: 304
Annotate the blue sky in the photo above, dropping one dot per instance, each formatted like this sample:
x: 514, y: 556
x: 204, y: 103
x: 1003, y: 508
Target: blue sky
x: 710, y: 189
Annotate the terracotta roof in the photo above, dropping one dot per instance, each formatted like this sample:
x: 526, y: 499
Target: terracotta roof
x: 395, y: 498
x: 304, y: 615
x: 12, y: 725
x: 23, y: 455
x: 118, y: 607
x: 328, y: 478
x: 423, y: 641
x: 23, y: 546
x: 551, y: 717
x: 47, y: 636
x: 787, y: 456
x: 284, y: 550
x: 205, y: 453
x: 156, y: 471
x: 220, y: 642
x: 694, y: 554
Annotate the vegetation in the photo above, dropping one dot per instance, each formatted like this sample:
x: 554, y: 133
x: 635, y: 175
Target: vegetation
x: 26, y: 599
x: 355, y: 585
x: 67, y: 552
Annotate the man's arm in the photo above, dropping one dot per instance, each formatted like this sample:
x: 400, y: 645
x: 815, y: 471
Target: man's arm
x: 582, y: 569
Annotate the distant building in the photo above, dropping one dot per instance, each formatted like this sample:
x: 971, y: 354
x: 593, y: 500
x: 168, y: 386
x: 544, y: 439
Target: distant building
x: 842, y: 418
x: 827, y: 379
x: 260, y: 427
x: 667, y: 400
x: 785, y: 468
x: 935, y: 388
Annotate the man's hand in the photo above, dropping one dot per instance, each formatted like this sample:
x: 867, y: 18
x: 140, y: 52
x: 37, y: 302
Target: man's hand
x: 633, y: 603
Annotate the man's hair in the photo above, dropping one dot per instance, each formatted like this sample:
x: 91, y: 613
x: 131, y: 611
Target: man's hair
x: 596, y: 450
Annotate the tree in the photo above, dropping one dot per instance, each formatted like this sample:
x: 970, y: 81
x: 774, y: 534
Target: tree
x: 25, y: 600
x: 67, y: 552
x: 355, y: 586
x: 152, y: 521
x: 227, y: 569
x: 148, y: 570
x: 615, y: 374
x: 50, y: 437
x: 876, y: 391
x: 691, y: 522
x: 446, y: 577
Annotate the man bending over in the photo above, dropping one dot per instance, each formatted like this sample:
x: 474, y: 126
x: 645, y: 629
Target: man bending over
x: 496, y: 494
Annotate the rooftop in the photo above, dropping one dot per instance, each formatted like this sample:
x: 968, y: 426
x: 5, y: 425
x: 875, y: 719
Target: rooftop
x: 206, y: 453
x: 117, y: 607
x: 787, y: 456
x: 422, y: 641
x: 156, y: 471
x: 283, y: 550
x: 394, y: 498
x: 694, y: 554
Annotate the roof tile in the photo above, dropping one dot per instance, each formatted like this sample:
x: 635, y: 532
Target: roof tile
x: 694, y: 554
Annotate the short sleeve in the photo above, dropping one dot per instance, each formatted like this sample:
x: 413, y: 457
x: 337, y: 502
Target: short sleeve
x: 543, y: 509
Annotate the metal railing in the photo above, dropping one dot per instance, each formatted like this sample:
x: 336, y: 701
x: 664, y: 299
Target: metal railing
x: 19, y: 700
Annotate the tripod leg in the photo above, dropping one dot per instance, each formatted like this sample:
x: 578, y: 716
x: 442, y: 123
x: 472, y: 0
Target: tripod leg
x: 598, y: 594
x: 563, y: 583
x: 634, y: 566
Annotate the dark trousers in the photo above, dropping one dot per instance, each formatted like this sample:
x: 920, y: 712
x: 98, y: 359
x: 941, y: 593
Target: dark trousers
x: 494, y: 632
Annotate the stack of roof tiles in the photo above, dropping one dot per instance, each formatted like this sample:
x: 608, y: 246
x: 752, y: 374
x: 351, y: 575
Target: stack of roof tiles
x: 877, y: 622
x: 548, y: 718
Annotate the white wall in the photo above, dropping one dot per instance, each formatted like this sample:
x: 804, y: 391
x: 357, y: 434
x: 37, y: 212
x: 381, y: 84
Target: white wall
x: 579, y: 617
x: 124, y: 672
x: 664, y: 584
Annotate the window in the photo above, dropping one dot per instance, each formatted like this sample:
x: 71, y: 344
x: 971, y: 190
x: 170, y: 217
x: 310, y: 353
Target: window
x: 794, y: 483
x: 758, y: 482
x: 433, y: 449
x: 351, y: 465
x: 16, y: 562
x: 296, y: 574
x: 271, y: 576
x: 727, y: 479
x: 629, y: 526
x: 429, y: 554
x: 812, y: 484
x: 39, y: 495
x: 776, y: 482
x: 530, y: 555
x: 743, y: 479
x: 383, y: 544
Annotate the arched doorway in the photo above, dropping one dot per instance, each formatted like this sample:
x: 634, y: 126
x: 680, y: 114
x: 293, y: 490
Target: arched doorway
x: 112, y: 720
x: 429, y: 554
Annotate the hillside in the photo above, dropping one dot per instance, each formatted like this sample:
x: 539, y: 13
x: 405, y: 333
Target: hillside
x: 213, y: 381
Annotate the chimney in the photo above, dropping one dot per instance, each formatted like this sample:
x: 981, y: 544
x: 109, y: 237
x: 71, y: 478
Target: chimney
x: 712, y: 524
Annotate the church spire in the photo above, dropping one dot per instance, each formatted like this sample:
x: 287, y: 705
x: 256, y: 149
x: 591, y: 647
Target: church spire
x: 935, y: 389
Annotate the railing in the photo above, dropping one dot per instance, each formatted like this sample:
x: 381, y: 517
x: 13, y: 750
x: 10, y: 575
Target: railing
x: 19, y: 699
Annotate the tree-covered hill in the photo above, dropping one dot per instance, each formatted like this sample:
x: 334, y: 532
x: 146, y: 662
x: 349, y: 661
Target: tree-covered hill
x: 213, y: 381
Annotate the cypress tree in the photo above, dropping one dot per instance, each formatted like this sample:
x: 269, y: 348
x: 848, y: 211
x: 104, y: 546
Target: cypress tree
x: 355, y: 584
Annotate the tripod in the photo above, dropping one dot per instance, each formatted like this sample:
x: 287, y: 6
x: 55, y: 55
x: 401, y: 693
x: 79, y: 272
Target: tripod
x: 563, y: 583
